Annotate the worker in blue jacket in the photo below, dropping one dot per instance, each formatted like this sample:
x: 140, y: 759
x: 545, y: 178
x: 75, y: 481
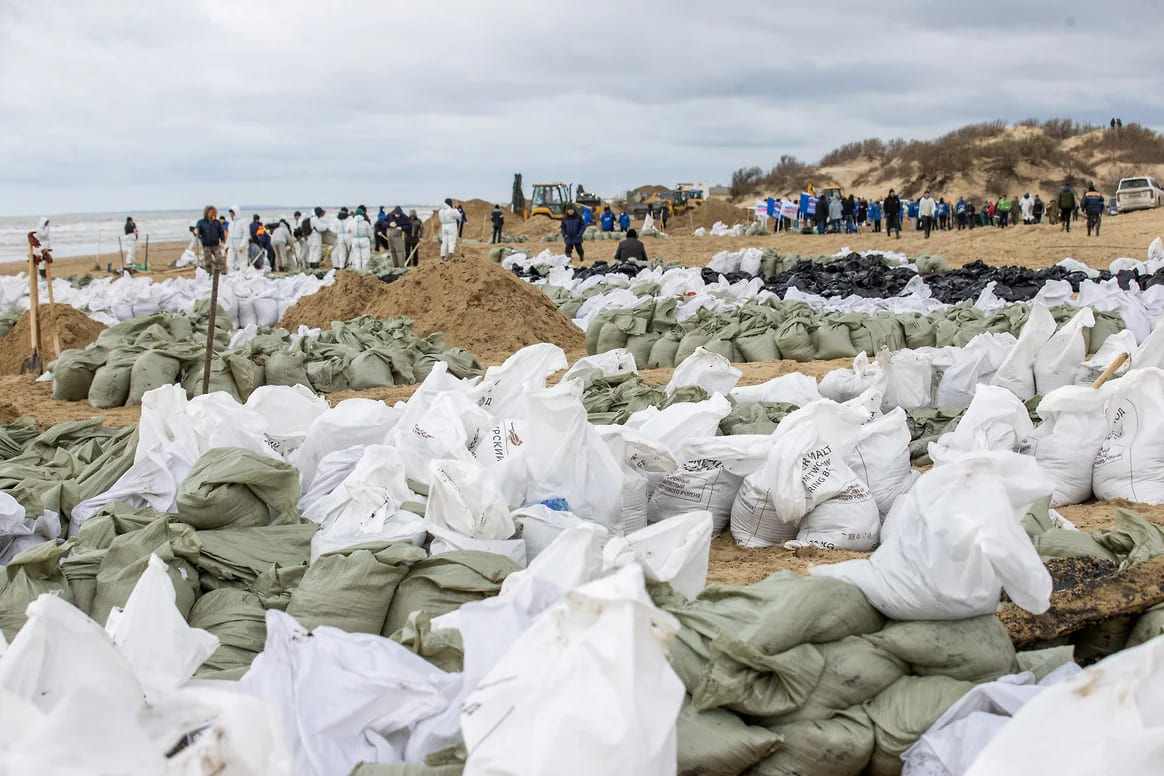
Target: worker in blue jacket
x: 623, y: 221
x: 587, y: 216
x: 607, y: 220
x: 875, y: 214
x: 913, y: 213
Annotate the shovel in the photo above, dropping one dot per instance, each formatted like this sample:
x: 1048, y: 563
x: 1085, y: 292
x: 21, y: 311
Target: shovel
x: 48, y: 277
x: 33, y: 364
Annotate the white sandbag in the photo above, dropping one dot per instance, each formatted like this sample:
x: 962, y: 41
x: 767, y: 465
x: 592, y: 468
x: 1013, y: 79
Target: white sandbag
x: 366, y: 506
x: 974, y: 363
x: 954, y: 541
x: 1121, y: 342
x: 751, y: 260
x: 351, y: 422
x: 841, y: 385
x: 344, y: 698
x: 641, y: 459
x: 503, y: 389
x: 266, y: 311
x: 444, y: 429
x: 804, y: 467
x: 908, y: 379
x: 709, y: 477
x: 675, y: 551
x: 622, y: 717
x: 881, y: 458
x: 289, y: 410
x: 794, y: 388
x: 1057, y: 363
x: 724, y: 262
x: 466, y: 511
x: 955, y: 740
x: 332, y: 470
x: 995, y: 420
x: 847, y: 521
x: 673, y: 426
x: 710, y: 371
x: 611, y: 363
x: 1107, y: 719
x: 540, y: 526
x: 1066, y: 442
x: 1130, y: 461
x: 1150, y: 352
x: 149, y: 631
x: 18, y: 532
x: 1016, y: 373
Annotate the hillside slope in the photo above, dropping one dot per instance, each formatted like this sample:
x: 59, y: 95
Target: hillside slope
x: 979, y: 160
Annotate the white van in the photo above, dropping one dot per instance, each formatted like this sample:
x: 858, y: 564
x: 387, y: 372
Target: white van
x: 1139, y: 193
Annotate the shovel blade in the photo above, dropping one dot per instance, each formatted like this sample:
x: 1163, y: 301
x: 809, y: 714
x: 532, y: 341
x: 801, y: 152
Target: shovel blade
x: 32, y: 365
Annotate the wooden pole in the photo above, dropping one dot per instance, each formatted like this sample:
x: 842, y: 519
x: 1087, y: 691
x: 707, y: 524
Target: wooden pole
x: 210, y: 331
x: 48, y: 277
x: 121, y: 251
x: 1111, y: 370
x: 147, y: 263
x: 34, y: 308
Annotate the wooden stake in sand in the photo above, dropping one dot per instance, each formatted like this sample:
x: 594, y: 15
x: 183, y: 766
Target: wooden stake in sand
x: 210, y: 331
x: 48, y: 278
x: 1111, y: 370
x: 33, y: 364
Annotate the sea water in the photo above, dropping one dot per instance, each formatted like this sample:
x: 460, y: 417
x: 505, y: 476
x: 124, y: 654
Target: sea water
x: 80, y: 234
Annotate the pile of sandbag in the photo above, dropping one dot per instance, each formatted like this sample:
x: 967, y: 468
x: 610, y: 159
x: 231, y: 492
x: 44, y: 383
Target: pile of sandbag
x: 136, y: 356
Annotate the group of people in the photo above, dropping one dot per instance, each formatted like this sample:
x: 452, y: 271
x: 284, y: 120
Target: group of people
x: 574, y: 231
x: 229, y: 244
x: 848, y: 214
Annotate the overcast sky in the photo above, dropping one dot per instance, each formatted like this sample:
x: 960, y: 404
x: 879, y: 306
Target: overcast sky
x: 154, y: 104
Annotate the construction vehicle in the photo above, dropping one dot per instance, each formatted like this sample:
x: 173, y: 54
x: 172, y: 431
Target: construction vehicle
x: 549, y: 199
x: 588, y: 199
x: 832, y: 192
x: 693, y: 196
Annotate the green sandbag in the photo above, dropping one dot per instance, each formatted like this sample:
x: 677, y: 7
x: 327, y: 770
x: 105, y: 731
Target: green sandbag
x: 286, y: 367
x: 81, y: 568
x: 33, y: 572
x: 832, y: 339
x: 442, y: 647
x: 110, y: 385
x: 352, y: 589
x: 611, y: 337
x: 174, y: 543
x: 16, y: 436
x: 462, y: 364
x: 237, y: 618
x: 919, y: 331
x: 444, y: 582
x: 663, y: 353
x: 1107, y: 323
x: 1102, y: 640
x: 839, y: 746
x: 328, y: 375
x: 977, y: 649
x: 275, y: 585
x: 855, y: 670
x: 690, y: 342
x: 237, y: 488
x: 370, y: 369
x: 903, y: 712
x: 152, y: 369
x: 1061, y: 543
x: 406, y: 769
x: 794, y: 339
x: 722, y: 347
x: 640, y: 346
x: 931, y: 264
x: 717, y: 741
x: 663, y: 317
x: 237, y: 556
x: 1148, y: 626
x: 1134, y: 539
x: 758, y: 347
x: 73, y: 372
x: 592, y: 332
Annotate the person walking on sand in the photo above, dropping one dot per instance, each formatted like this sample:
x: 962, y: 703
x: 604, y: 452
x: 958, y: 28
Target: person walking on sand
x: 573, y: 228
x: 1093, y: 208
x: 836, y: 211
x: 1027, y: 209
x: 130, y: 242
x: 875, y: 216
x: 398, y: 226
x: 630, y: 248
x: 892, y: 207
x: 926, y: 208
x: 497, y: 216
x: 314, y: 227
x: 960, y: 213
x: 623, y: 221
x: 450, y: 218
x: 1066, y: 206
x: 284, y: 245
x: 1037, y: 210
x: 361, y: 240
x: 238, y: 240
x: 464, y: 219
x: 212, y: 236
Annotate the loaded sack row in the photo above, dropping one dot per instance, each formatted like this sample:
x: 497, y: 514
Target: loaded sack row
x: 775, y: 330
x: 138, y: 355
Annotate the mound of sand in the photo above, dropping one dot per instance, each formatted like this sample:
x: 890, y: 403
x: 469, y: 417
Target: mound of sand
x: 480, y: 225
x: 478, y: 306
x: 350, y: 297
x: 711, y: 211
x: 76, y: 329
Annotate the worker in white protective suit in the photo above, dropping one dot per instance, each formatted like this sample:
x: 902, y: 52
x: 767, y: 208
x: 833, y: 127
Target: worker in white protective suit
x: 42, y: 234
x: 284, y: 245
x: 343, y: 239
x: 318, y: 224
x: 361, y: 240
x: 449, y: 217
x: 238, y: 241
x: 130, y: 242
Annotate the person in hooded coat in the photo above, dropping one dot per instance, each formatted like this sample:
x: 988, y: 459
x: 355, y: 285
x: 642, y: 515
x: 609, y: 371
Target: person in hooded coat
x: 380, y: 229
x: 892, y: 208
x: 284, y: 245
x: 450, y: 218
x: 237, y: 240
x: 497, y: 216
x: 624, y: 221
x: 130, y: 242
x: 1027, y: 208
x: 343, y: 239
x: 414, y: 236
x: 573, y: 229
x: 361, y: 240
x: 318, y: 224
x: 42, y: 234
x: 1066, y: 206
x: 398, y: 226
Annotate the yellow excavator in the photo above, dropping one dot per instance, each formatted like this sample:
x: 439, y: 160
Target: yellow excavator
x: 548, y: 199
